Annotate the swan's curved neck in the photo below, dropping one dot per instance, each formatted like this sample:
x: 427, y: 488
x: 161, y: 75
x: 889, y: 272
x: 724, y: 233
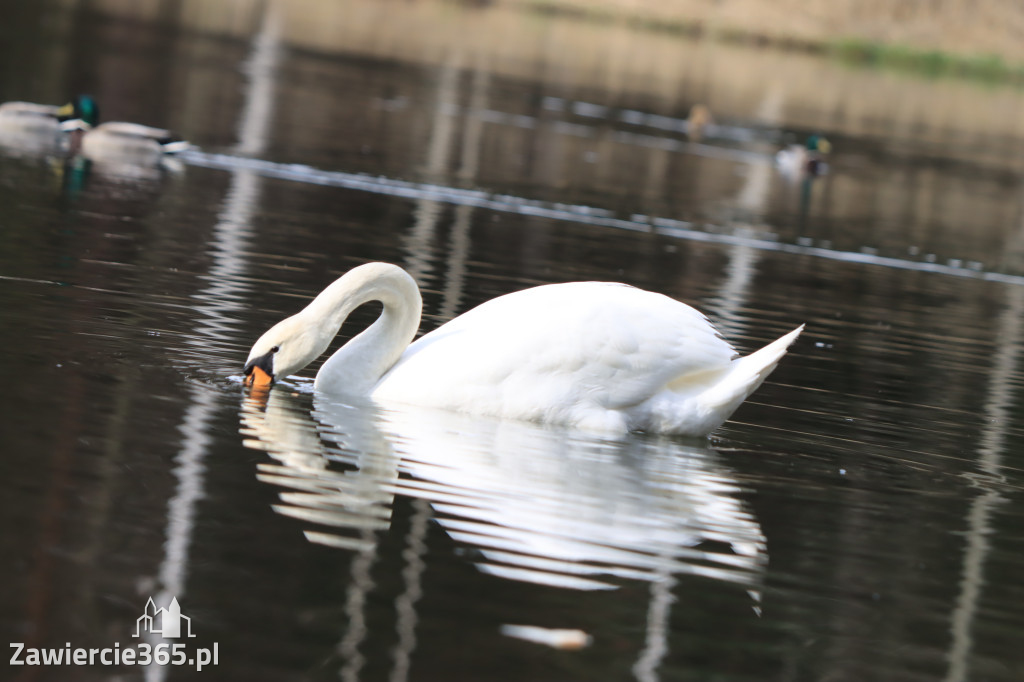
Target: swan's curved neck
x: 356, y: 367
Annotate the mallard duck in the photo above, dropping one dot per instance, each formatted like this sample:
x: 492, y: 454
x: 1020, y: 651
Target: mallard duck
x: 806, y: 159
x: 27, y: 126
x: 117, y: 140
x: 598, y: 356
x: 697, y: 121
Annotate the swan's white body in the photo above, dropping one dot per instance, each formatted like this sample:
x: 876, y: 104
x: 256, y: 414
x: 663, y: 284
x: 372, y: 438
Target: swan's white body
x: 595, y: 355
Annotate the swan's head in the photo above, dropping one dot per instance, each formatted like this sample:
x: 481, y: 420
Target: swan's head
x: 297, y: 341
x: 285, y: 349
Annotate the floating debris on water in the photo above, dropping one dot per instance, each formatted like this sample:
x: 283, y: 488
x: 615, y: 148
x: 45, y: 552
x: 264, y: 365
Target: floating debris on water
x: 570, y: 640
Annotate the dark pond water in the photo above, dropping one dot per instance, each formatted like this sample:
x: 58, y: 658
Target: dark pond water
x: 860, y: 517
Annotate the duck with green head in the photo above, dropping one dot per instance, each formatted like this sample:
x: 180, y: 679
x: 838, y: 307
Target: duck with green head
x: 31, y: 127
x: 803, y: 160
x: 115, y: 140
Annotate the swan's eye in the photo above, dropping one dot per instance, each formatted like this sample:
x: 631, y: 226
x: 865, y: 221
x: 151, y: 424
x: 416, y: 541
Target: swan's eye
x: 275, y: 349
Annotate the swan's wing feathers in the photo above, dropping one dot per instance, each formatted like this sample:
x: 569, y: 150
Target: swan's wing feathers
x: 659, y: 342
x: 605, y: 344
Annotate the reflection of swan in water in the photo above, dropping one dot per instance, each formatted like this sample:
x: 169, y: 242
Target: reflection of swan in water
x: 540, y: 505
x: 594, y: 355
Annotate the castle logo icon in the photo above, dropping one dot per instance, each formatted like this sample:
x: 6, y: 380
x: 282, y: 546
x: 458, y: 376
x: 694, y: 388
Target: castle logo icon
x: 163, y: 621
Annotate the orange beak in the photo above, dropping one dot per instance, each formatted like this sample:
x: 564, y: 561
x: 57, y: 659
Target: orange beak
x: 258, y: 378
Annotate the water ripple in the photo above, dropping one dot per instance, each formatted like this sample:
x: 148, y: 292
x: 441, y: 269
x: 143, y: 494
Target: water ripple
x: 534, y: 504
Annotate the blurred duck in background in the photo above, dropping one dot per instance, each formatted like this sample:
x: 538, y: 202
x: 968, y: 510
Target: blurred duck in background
x: 797, y: 161
x: 32, y: 128
x: 45, y: 129
x: 117, y: 141
x: 697, y: 122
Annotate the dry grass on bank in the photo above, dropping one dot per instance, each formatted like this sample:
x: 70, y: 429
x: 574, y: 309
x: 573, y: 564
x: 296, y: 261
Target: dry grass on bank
x: 982, y: 36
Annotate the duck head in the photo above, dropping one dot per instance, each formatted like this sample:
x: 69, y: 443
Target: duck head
x: 819, y: 144
x: 81, y: 112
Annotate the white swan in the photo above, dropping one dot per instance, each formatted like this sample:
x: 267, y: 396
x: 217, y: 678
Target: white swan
x: 595, y: 355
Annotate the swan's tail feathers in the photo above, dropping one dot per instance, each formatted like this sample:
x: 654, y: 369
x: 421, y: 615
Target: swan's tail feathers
x: 746, y: 375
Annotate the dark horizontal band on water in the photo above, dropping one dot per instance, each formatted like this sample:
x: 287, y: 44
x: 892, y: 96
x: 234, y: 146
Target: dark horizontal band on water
x: 568, y: 212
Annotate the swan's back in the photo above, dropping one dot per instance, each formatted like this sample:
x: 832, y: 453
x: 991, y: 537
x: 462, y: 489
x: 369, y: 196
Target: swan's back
x: 584, y: 353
